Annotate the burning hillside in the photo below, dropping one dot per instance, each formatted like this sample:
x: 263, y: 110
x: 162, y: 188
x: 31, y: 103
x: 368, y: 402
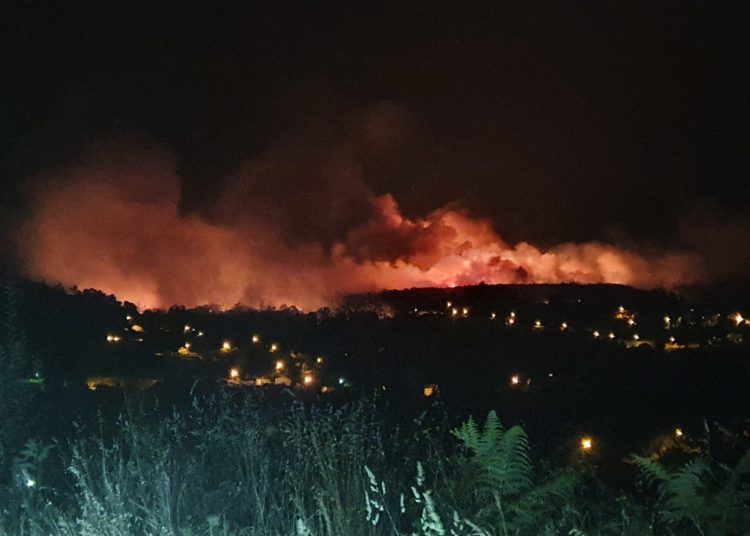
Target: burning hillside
x: 297, y: 225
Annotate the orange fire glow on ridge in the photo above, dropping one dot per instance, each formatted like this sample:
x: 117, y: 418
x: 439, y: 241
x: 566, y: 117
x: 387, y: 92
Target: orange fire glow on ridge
x: 114, y: 224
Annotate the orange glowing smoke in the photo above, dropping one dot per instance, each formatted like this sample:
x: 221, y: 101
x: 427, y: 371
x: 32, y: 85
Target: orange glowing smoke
x: 114, y: 224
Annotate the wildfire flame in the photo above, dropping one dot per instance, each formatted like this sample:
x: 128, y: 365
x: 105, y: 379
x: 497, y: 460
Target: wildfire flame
x: 115, y: 224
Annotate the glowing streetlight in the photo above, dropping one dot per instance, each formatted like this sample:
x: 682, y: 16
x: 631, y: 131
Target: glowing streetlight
x: 279, y: 365
x: 586, y: 444
x: 448, y: 304
x: 631, y: 322
x: 274, y: 347
x: 234, y: 374
x: 611, y: 336
x: 563, y: 326
x: 538, y: 324
x: 515, y: 379
x: 678, y: 432
x: 493, y: 316
x: 308, y: 379
x: 187, y: 328
x: 256, y: 339
x: 226, y: 346
x: 738, y: 319
x: 596, y: 334
x: 636, y: 337
x: 319, y: 360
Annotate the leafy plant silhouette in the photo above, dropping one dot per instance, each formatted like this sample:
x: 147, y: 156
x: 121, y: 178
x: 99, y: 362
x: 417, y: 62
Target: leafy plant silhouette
x: 712, y: 497
x: 499, y: 477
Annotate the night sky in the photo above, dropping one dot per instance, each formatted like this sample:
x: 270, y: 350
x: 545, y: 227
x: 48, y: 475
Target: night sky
x: 625, y: 123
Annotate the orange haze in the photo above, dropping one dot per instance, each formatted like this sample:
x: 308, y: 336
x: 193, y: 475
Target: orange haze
x: 268, y: 238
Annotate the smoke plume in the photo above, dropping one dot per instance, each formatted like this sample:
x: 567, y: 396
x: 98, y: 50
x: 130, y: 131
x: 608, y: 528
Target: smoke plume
x: 296, y: 225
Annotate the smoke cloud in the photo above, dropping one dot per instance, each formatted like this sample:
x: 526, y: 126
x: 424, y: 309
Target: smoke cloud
x: 296, y: 225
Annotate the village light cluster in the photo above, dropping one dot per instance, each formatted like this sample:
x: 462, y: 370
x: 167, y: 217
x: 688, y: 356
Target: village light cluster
x: 673, y: 323
x: 455, y: 311
x: 310, y: 380
x: 633, y: 340
x: 234, y: 377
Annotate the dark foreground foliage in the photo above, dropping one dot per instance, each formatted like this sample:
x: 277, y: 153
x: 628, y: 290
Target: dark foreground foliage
x: 232, y: 465
x: 222, y: 462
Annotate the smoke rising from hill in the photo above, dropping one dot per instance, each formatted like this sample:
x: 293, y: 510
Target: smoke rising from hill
x: 296, y: 225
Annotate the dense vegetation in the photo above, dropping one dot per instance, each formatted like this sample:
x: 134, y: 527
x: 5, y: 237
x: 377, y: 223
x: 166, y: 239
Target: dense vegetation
x: 220, y: 461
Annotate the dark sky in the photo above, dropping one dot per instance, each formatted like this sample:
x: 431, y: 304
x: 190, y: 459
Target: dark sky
x: 558, y: 120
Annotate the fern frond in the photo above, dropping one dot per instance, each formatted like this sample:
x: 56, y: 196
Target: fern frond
x: 682, y: 492
x: 509, y: 466
x: 652, y: 470
x: 468, y: 433
x: 491, y: 435
x: 739, y: 478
